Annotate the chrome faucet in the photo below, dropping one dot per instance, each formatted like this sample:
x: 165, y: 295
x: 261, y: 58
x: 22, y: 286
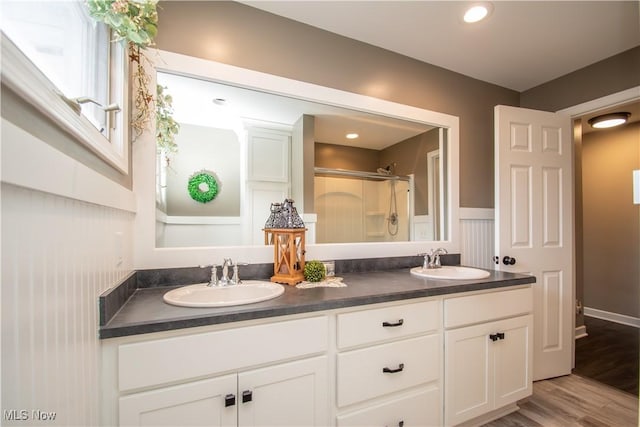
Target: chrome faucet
x: 213, y: 280
x: 224, y: 281
x: 432, y: 259
x: 435, y: 257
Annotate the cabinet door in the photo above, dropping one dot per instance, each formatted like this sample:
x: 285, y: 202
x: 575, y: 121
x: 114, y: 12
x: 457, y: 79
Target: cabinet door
x: 268, y: 155
x: 468, y: 373
x: 289, y: 394
x: 200, y: 403
x: 513, y: 363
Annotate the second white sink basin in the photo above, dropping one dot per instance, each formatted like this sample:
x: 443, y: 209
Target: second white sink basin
x: 451, y: 272
x: 201, y: 295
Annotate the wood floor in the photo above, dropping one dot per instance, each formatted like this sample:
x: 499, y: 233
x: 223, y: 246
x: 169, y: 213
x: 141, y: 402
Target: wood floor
x: 609, y: 354
x: 573, y: 401
x: 602, y: 391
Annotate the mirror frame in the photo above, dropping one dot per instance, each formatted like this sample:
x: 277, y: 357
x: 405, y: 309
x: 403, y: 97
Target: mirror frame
x: 146, y: 255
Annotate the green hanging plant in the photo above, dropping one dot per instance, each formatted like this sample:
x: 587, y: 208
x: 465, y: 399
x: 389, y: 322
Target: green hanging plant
x: 166, y: 126
x: 133, y: 20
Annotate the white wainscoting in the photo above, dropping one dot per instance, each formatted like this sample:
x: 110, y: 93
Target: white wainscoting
x: 476, y: 237
x: 58, y: 256
x: 66, y: 238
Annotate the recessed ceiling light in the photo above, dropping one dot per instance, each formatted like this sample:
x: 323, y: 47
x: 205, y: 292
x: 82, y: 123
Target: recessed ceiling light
x: 477, y: 12
x: 609, y: 120
x: 352, y: 135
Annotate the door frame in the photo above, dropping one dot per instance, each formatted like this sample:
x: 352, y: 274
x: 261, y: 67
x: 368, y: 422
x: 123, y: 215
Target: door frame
x: 576, y: 111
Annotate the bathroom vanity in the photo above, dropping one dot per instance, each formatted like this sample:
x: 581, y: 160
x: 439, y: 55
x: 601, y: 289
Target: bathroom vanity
x: 390, y: 349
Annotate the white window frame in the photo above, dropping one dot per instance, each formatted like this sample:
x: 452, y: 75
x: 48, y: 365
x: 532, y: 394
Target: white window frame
x: 27, y: 81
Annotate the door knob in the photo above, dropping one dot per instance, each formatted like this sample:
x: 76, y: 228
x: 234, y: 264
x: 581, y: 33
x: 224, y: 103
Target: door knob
x: 508, y: 260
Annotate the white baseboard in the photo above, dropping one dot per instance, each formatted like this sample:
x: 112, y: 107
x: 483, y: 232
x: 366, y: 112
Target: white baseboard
x: 581, y: 332
x: 612, y: 317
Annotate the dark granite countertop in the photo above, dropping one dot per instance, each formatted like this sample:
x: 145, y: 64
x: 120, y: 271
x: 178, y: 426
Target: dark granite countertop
x: 145, y: 311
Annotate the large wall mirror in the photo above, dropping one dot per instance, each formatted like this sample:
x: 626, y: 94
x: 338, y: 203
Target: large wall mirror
x: 392, y: 189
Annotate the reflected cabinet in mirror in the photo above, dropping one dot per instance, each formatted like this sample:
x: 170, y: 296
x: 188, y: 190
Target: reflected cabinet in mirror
x: 355, y: 175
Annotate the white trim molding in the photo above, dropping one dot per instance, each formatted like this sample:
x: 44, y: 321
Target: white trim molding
x: 477, y: 213
x: 27, y: 162
x: 581, y: 332
x: 612, y: 100
x: 612, y: 317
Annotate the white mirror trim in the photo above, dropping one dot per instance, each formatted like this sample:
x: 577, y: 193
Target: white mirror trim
x: 146, y: 255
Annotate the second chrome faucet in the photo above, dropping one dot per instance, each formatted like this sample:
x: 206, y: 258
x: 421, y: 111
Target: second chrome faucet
x: 225, y: 280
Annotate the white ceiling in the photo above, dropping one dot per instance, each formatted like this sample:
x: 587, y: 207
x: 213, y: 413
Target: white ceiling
x: 193, y: 103
x: 522, y: 45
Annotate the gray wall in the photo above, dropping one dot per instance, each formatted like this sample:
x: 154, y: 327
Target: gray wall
x: 611, y: 75
x: 611, y: 222
x: 237, y: 34
x: 410, y: 156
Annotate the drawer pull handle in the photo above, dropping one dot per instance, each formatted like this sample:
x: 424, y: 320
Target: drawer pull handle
x: 229, y: 400
x: 393, y: 325
x: 496, y: 337
x: 400, y: 368
x: 247, y: 396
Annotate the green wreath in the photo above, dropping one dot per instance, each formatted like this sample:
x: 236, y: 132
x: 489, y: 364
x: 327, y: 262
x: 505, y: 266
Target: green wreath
x: 203, y: 187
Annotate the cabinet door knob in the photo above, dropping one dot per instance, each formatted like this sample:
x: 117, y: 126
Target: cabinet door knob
x: 400, y: 368
x: 247, y: 396
x: 229, y: 400
x: 393, y: 325
x: 496, y: 336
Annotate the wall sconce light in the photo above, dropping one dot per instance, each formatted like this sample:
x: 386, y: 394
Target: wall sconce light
x: 609, y: 120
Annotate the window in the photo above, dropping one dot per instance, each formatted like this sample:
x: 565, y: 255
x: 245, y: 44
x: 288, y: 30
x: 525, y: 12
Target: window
x: 62, y: 61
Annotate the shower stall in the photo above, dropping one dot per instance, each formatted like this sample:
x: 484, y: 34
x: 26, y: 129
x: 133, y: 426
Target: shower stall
x: 354, y: 206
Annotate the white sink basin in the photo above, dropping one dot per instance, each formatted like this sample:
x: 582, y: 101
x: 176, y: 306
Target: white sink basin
x: 201, y: 295
x: 451, y: 272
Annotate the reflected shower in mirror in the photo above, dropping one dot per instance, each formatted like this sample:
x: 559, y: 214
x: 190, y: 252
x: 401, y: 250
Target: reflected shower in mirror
x: 386, y: 184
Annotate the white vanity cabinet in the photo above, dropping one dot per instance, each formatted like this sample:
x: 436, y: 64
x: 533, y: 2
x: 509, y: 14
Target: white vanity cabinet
x: 389, y: 365
x: 488, y: 353
x: 268, y: 374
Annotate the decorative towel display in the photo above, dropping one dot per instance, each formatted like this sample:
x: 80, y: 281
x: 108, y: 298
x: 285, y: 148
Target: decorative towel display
x: 329, y: 282
x: 203, y: 186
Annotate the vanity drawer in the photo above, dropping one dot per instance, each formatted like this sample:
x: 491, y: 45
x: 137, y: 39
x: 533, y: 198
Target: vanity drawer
x: 375, y: 371
x: 376, y: 325
x: 480, y: 308
x: 180, y: 358
x: 420, y: 408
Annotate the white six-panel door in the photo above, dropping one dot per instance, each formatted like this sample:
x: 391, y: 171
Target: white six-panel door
x: 534, y: 224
